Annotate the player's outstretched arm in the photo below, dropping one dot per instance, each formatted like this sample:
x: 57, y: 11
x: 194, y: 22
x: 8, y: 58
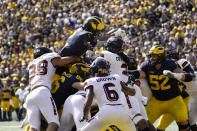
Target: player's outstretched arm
x: 179, y: 75
x: 63, y: 61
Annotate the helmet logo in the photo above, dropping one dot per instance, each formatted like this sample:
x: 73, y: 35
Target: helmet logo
x: 94, y: 24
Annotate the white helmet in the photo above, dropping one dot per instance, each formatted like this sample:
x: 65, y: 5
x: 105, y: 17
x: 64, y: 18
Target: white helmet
x: 183, y: 63
x: 120, y: 33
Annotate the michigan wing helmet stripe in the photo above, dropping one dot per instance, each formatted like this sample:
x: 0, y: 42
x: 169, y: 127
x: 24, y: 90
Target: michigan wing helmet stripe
x: 95, y: 22
x: 160, y: 51
x: 157, y: 50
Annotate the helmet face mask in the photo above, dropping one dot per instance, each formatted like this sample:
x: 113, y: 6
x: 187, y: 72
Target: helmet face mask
x: 39, y: 51
x: 114, y: 44
x: 153, y: 59
x: 157, y: 55
x: 94, y: 24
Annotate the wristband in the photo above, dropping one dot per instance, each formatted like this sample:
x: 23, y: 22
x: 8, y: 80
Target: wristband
x: 136, y: 119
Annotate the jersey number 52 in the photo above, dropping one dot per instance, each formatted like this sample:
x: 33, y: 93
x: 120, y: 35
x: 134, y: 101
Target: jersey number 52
x: 159, y: 82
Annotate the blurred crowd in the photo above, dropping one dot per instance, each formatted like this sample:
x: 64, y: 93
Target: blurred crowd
x: 25, y: 24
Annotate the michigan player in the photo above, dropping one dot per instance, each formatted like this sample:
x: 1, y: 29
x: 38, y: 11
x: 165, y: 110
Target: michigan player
x: 5, y: 103
x: 39, y: 101
x: 167, y: 119
x: 82, y: 39
x: 67, y: 85
x: 165, y: 90
x: 79, y: 42
x: 15, y: 99
x: 106, y: 89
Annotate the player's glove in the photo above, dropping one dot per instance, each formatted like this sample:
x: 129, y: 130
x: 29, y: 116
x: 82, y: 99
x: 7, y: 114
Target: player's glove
x: 144, y: 100
x: 168, y: 73
x: 173, y: 75
x: 131, y: 80
x: 124, y: 57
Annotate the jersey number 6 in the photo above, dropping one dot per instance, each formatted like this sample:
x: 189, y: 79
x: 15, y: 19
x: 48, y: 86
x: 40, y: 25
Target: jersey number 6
x: 112, y: 95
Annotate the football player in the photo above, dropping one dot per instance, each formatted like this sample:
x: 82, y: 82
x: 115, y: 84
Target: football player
x: 106, y: 90
x: 83, y: 38
x: 72, y: 112
x: 120, y: 63
x: 39, y: 101
x: 166, y: 93
x: 5, y: 103
x: 63, y: 90
x: 69, y: 83
x: 167, y: 119
x: 15, y: 100
x: 192, y: 90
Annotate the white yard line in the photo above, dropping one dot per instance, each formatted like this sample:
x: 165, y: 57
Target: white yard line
x: 10, y: 126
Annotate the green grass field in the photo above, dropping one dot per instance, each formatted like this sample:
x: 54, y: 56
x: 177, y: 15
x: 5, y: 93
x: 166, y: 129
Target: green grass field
x: 15, y: 126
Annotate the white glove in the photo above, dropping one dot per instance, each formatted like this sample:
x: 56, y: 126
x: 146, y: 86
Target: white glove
x: 168, y: 73
x: 144, y: 100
